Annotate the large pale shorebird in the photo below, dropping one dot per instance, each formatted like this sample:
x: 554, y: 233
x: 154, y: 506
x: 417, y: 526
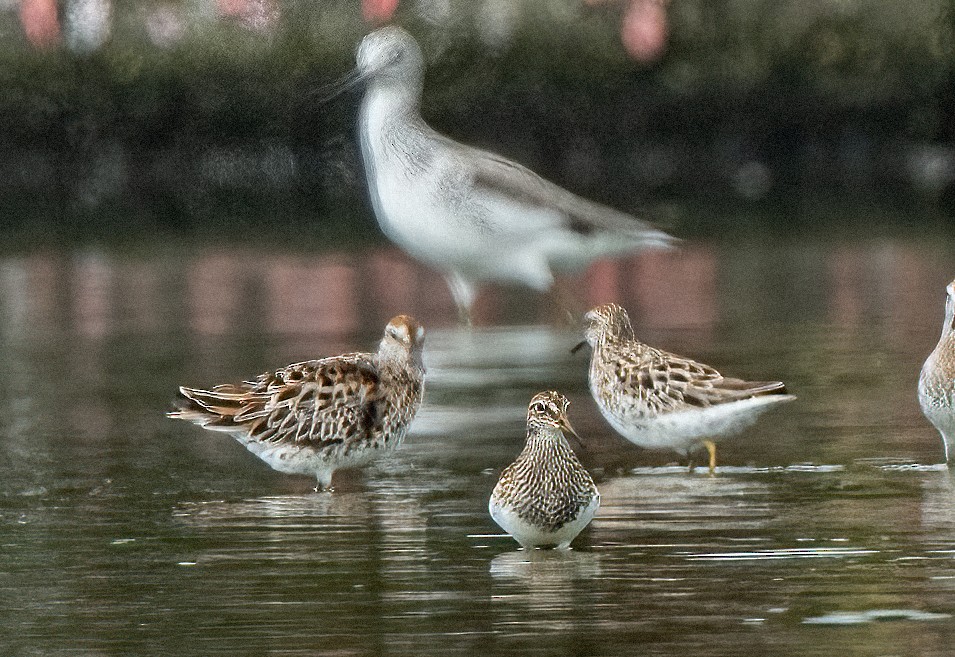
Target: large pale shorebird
x: 937, y: 381
x: 659, y: 400
x: 545, y: 497
x: 317, y: 416
x: 472, y: 215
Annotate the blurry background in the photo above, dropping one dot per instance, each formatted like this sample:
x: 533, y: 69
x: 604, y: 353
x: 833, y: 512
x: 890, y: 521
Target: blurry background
x: 177, y: 208
x: 185, y: 114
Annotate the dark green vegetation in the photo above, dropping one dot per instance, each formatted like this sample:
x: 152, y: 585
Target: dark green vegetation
x: 752, y: 103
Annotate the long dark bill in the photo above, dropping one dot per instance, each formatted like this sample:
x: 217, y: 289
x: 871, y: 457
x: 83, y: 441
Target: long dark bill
x: 578, y: 346
x: 566, y: 426
x: 326, y: 92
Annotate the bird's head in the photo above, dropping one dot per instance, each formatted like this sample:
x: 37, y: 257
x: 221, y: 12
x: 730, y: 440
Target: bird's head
x: 548, y: 411
x: 606, y: 322
x: 390, y: 53
x: 404, y: 338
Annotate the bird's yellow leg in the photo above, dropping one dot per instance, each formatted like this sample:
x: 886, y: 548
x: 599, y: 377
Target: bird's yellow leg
x: 711, y: 448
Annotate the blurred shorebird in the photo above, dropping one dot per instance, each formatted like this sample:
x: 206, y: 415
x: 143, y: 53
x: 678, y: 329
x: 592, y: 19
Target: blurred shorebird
x: 545, y: 497
x: 937, y: 380
x: 318, y: 416
x: 473, y: 215
x: 659, y: 400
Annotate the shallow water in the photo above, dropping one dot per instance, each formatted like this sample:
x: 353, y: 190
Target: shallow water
x: 829, y: 529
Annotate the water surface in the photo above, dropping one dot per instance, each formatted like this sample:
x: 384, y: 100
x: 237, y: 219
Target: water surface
x: 829, y: 529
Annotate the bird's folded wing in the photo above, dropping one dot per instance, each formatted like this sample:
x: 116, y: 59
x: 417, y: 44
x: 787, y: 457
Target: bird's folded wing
x: 501, y: 176
x: 674, y: 383
x: 315, y: 403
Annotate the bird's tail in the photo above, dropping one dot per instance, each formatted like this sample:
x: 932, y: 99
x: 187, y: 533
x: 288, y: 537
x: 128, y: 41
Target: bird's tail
x: 654, y: 238
x: 741, y: 389
x: 213, y: 409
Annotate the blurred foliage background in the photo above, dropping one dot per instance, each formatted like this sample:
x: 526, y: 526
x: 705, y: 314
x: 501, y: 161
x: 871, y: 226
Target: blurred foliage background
x: 187, y: 115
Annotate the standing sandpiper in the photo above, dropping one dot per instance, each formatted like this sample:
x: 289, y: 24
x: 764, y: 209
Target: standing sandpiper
x: 545, y: 497
x: 659, y: 400
x: 321, y: 415
x: 937, y: 381
x: 471, y: 214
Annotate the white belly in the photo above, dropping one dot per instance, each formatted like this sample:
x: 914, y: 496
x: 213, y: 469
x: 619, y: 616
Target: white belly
x: 936, y: 400
x: 420, y: 224
x: 295, y: 459
x: 683, y: 431
x: 531, y: 536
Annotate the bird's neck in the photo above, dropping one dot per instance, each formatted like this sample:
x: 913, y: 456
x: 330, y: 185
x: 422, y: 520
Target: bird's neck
x: 609, y: 344
x: 546, y: 440
x: 946, y: 343
x: 609, y: 350
x: 393, y: 357
x: 948, y: 326
x: 388, y: 103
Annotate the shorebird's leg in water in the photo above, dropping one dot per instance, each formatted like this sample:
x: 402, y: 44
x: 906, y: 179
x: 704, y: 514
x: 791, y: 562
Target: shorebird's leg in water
x: 463, y: 291
x: 711, y: 448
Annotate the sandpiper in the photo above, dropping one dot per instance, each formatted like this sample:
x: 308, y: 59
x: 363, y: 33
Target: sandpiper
x: 545, y: 497
x: 318, y: 416
x: 471, y: 214
x: 937, y: 381
x: 659, y: 400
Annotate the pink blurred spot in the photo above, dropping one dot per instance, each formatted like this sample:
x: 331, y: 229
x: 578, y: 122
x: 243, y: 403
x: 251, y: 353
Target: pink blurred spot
x: 311, y: 296
x: 603, y: 282
x: 847, y: 272
x: 93, y: 296
x: 214, y: 290
x: 378, y: 11
x: 40, y: 22
x: 393, y: 283
x: 44, y: 287
x: 676, y: 288
x: 257, y: 14
x: 644, y: 30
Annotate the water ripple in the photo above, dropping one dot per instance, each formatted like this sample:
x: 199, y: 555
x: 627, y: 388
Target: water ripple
x: 874, y: 615
x: 784, y: 553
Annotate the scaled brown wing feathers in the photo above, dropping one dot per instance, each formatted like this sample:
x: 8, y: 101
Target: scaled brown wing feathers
x: 313, y: 403
x: 669, y: 382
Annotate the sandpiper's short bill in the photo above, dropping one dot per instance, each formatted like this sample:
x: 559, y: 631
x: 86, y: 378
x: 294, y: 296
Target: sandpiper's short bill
x: 937, y: 381
x: 545, y: 497
x: 471, y: 214
x: 318, y: 416
x: 659, y: 400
